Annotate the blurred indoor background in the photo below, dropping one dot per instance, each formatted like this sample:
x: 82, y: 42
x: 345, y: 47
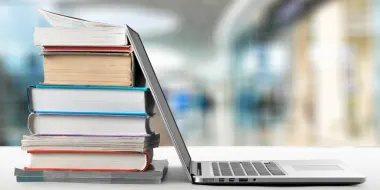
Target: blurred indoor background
x: 242, y: 72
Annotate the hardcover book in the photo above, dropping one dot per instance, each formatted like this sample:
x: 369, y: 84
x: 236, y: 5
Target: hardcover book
x: 91, y: 67
x: 155, y: 174
x: 130, y: 143
x: 87, y: 124
x: 89, y: 100
x: 89, y: 160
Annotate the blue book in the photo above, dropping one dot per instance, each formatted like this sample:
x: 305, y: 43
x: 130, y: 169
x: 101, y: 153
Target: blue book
x: 90, y: 100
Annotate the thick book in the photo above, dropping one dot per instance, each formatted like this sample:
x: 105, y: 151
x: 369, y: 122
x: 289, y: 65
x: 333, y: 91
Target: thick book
x: 91, y: 68
x: 90, y: 100
x: 131, y: 143
x: 89, y: 160
x: 155, y: 173
x: 87, y: 124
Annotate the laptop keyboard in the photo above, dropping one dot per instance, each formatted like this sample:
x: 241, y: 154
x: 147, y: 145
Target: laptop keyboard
x: 246, y: 169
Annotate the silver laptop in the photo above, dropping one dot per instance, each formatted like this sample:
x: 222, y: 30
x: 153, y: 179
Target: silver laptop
x: 271, y: 172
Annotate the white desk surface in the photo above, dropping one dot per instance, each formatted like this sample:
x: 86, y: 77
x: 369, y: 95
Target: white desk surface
x: 365, y: 160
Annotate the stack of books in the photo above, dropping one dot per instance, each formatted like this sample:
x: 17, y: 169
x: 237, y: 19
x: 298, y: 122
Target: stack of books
x: 91, y: 115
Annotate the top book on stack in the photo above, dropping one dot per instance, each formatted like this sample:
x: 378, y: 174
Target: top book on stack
x: 70, y: 31
x: 80, y: 52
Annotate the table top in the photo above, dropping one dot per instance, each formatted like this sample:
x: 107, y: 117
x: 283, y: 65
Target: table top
x: 366, y: 160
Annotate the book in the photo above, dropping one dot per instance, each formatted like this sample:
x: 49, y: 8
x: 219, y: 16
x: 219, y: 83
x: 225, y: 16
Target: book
x: 63, y: 21
x: 155, y: 170
x: 100, y: 180
x: 80, y: 36
x: 91, y: 68
x: 89, y: 100
x: 131, y: 143
x: 155, y: 173
x: 70, y: 31
x: 124, y: 49
x: 89, y: 160
x: 76, y: 124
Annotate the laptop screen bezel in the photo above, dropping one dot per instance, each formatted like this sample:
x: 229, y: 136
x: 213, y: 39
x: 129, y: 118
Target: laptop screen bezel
x: 159, y: 97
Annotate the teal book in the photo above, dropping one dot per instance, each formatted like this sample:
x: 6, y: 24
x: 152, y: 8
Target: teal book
x: 90, y: 100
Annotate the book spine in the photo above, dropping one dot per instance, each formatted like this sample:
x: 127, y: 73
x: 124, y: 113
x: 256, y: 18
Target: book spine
x: 30, y: 123
x: 28, y: 95
x: 148, y: 160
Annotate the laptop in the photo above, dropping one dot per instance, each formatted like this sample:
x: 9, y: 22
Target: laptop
x: 270, y: 172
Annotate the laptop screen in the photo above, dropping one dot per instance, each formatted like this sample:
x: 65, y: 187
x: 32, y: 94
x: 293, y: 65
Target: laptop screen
x: 160, y: 99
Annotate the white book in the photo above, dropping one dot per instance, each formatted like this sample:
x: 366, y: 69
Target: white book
x: 89, y: 160
x: 105, y: 125
x: 83, y: 36
x: 70, y: 31
x: 132, y: 143
x: 87, y: 100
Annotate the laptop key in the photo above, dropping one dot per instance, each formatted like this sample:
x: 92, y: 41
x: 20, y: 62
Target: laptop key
x: 261, y: 169
x: 237, y: 169
x: 225, y: 169
x: 215, y: 169
x: 274, y: 169
x: 249, y: 169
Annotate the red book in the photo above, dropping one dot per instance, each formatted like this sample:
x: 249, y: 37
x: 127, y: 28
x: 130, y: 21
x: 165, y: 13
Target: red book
x: 89, y: 160
x: 123, y: 49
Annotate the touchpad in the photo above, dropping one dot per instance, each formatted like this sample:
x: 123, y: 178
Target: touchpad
x: 317, y: 168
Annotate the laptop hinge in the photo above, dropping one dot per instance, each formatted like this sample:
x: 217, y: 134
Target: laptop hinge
x: 196, y: 168
x: 193, y: 168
